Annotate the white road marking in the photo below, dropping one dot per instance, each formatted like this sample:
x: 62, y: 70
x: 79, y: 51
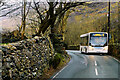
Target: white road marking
x: 115, y: 59
x: 95, y: 63
x: 96, y: 71
x: 59, y: 72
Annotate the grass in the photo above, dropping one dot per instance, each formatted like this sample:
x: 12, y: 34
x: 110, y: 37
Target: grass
x: 64, y: 60
x: 4, y: 43
x: 114, y: 51
x: 117, y: 57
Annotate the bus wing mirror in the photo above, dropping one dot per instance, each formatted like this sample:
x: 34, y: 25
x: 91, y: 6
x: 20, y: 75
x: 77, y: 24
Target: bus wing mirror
x: 89, y: 43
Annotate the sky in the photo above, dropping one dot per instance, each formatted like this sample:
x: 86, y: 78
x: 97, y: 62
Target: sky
x: 63, y: 0
x: 9, y: 23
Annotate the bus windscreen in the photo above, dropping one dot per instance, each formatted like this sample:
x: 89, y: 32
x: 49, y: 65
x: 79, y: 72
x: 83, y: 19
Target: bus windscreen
x: 98, y: 39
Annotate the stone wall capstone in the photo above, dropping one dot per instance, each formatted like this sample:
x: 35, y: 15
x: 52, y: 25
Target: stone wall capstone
x: 26, y: 59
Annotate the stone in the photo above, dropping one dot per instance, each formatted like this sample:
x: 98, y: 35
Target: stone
x: 34, y: 73
x: 33, y: 40
x: 4, y: 49
x: 13, y: 53
x: 12, y: 65
x: 28, y: 40
x: 36, y: 37
x: 13, y: 48
x: 1, y: 52
x: 10, y: 73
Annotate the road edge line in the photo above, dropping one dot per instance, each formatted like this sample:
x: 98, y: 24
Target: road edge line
x: 59, y: 72
x: 115, y: 59
x: 62, y: 68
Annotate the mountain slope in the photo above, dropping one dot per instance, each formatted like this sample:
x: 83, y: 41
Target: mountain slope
x: 90, y: 18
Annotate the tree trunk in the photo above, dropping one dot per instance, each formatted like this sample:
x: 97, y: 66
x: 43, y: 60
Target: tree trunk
x: 24, y: 21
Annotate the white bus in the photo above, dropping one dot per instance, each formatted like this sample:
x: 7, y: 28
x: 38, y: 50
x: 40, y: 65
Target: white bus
x: 94, y: 42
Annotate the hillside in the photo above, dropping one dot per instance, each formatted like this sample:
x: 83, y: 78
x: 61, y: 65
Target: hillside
x: 92, y: 17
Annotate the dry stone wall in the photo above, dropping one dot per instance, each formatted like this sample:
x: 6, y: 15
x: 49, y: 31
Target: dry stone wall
x: 26, y: 59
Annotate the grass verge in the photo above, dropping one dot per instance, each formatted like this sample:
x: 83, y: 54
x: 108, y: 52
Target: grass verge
x: 59, y: 61
x: 116, y: 57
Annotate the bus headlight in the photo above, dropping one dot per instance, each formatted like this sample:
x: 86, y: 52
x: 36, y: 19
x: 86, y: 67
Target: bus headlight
x: 105, y: 48
x: 91, y: 48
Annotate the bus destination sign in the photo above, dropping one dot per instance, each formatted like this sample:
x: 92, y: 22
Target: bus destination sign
x: 98, y: 34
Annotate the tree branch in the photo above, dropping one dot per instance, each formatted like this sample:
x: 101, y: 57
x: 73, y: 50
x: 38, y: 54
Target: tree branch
x: 37, y: 10
x: 10, y: 11
x: 68, y: 6
x: 28, y: 9
x: 7, y: 7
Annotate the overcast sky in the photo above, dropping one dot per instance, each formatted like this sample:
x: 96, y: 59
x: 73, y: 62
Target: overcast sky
x: 63, y: 0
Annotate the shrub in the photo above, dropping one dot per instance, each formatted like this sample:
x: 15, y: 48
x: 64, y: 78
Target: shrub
x: 56, y: 60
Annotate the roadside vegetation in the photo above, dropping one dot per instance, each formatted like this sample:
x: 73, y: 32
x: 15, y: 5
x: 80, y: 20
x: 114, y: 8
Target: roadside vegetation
x: 56, y: 64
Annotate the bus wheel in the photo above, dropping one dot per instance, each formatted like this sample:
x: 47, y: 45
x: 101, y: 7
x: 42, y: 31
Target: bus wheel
x: 81, y: 50
x: 85, y: 50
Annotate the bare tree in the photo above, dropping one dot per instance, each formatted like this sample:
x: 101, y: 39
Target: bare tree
x: 54, y: 13
x: 24, y: 16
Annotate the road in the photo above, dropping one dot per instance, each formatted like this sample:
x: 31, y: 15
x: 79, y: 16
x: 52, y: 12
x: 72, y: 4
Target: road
x: 89, y: 67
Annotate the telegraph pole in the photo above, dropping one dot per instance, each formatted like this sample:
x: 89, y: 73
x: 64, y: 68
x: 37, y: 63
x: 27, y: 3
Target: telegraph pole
x: 108, y: 29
